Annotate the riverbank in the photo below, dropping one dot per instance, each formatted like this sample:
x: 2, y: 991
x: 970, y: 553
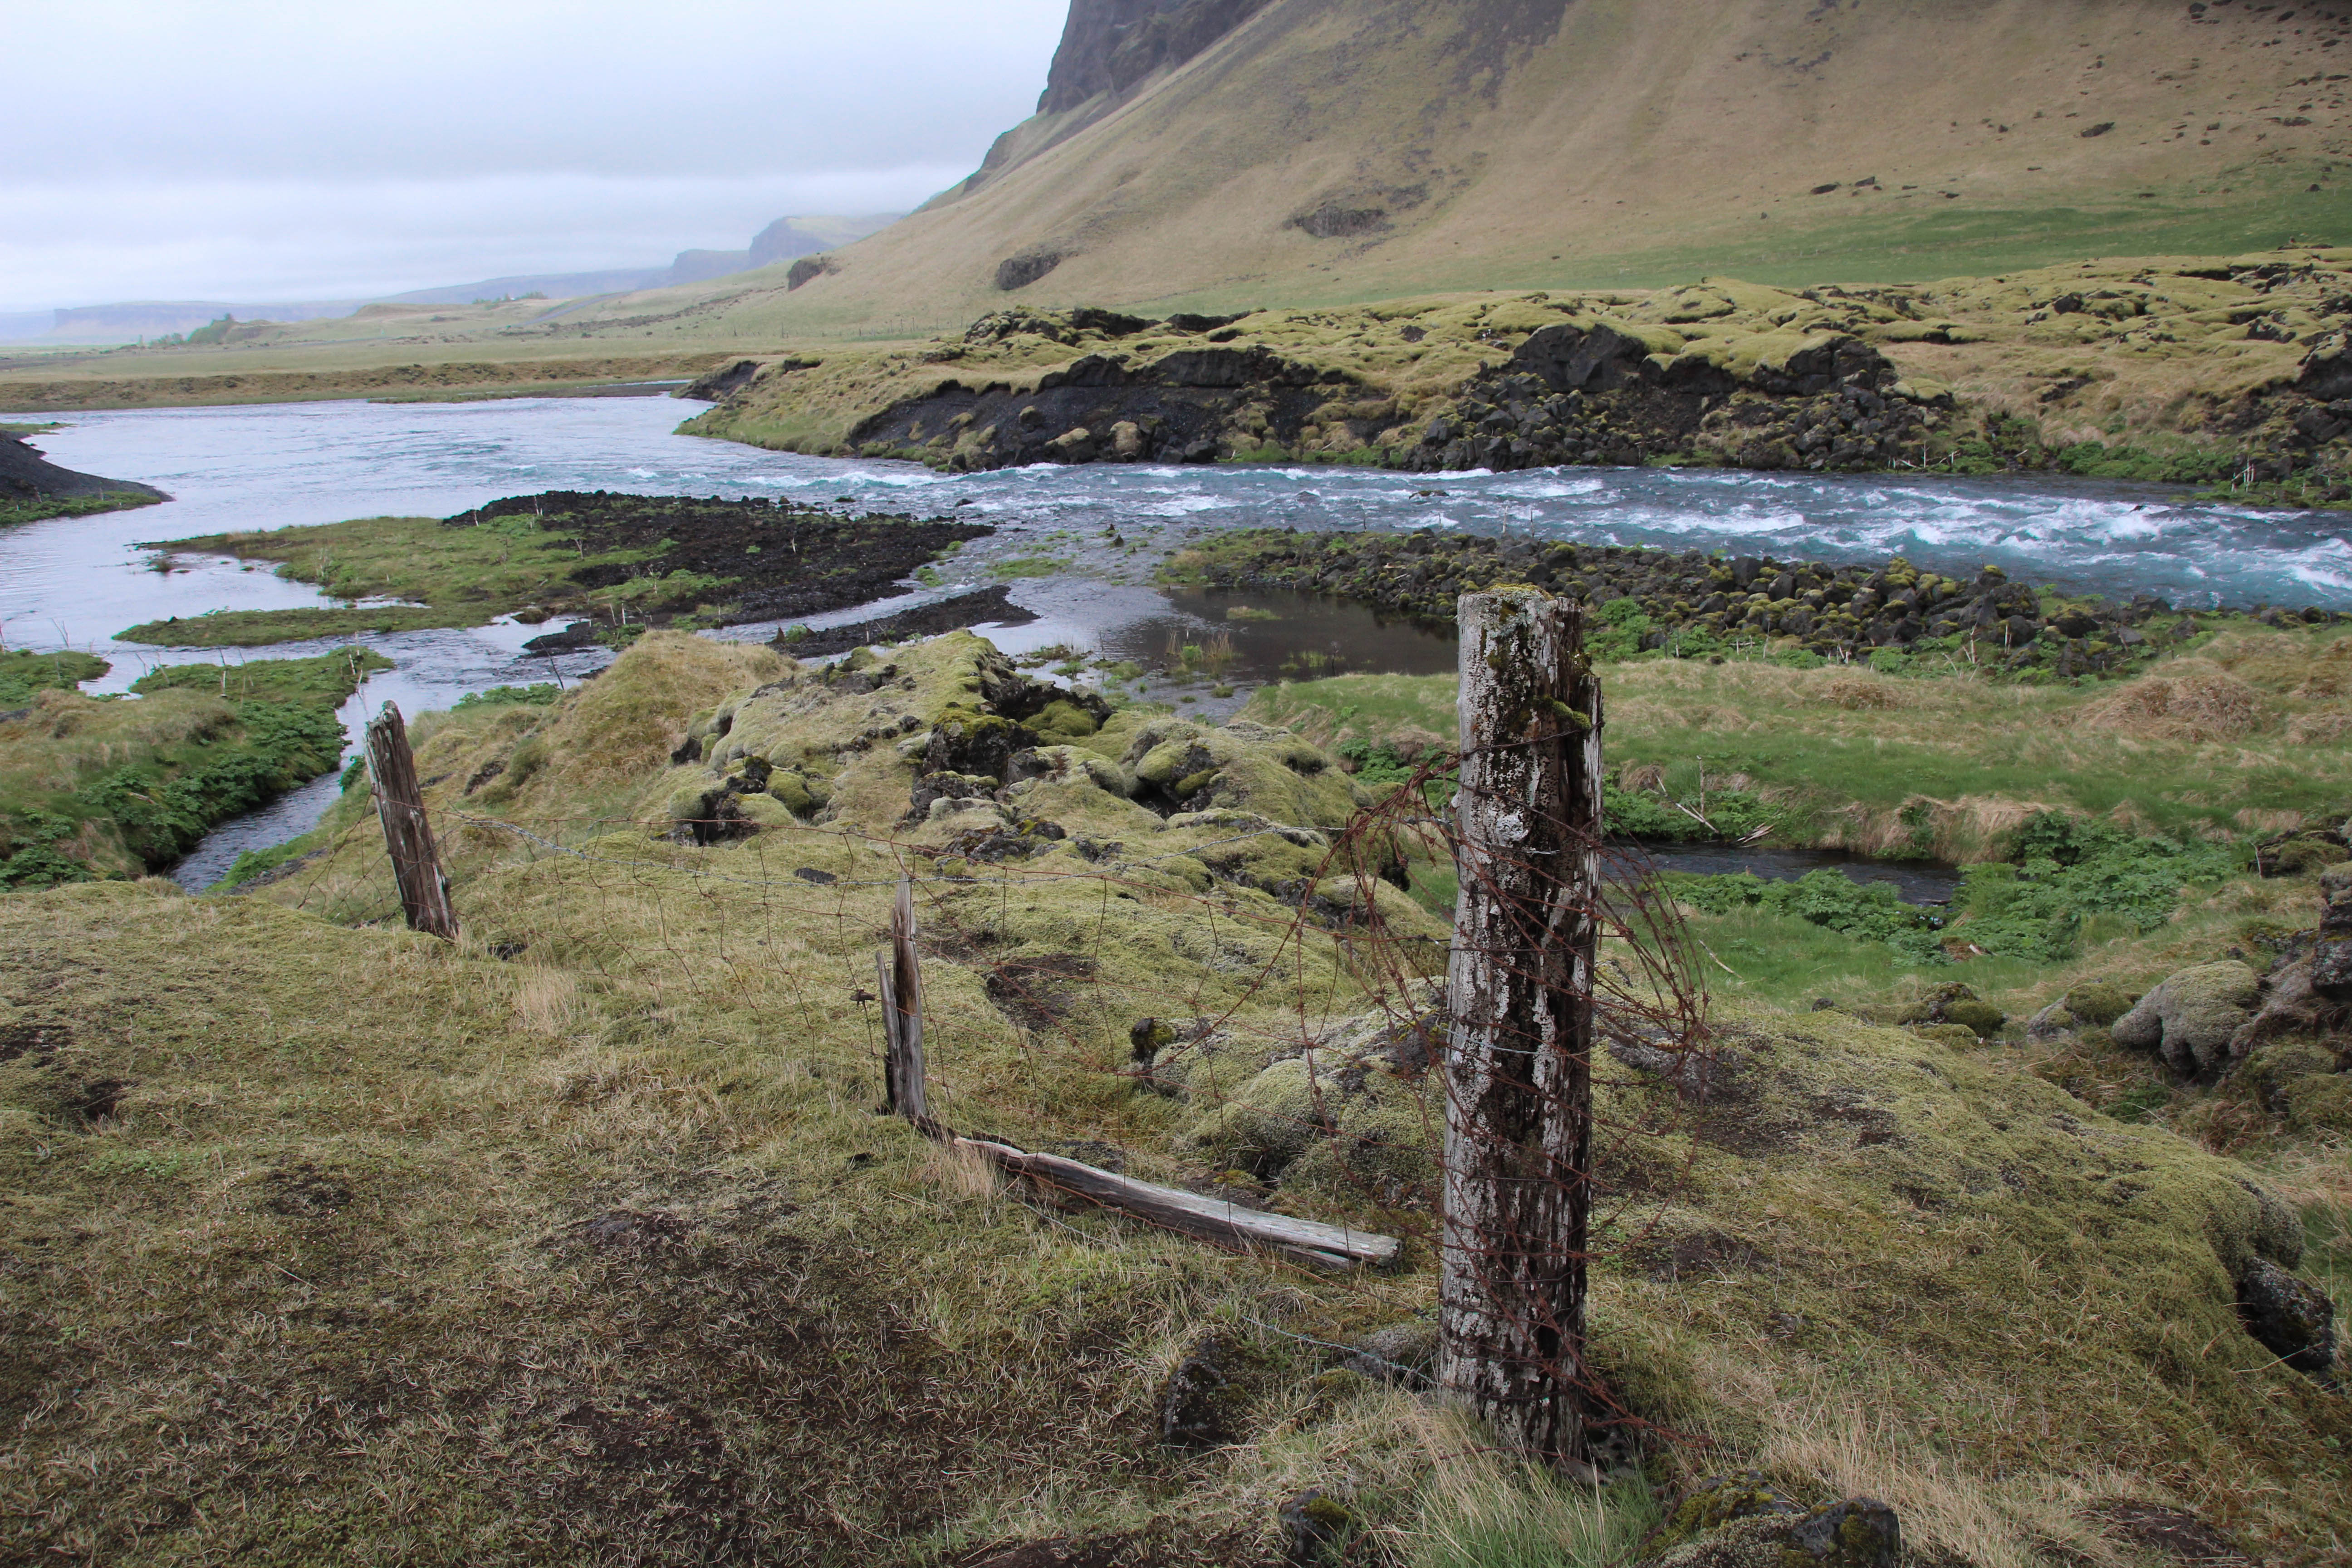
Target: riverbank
x: 2240, y: 733
x: 185, y: 379
x: 95, y: 788
x: 1891, y: 616
x: 2221, y: 371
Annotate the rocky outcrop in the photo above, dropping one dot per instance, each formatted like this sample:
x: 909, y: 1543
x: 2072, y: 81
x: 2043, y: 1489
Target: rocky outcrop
x: 1110, y: 46
x: 984, y: 606
x: 2331, y: 953
x: 2290, y: 1317
x: 1100, y: 407
x: 1594, y: 392
x: 2190, y: 1019
x: 1768, y: 1532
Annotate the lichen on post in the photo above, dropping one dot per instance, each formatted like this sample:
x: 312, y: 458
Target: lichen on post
x: 1518, y: 1124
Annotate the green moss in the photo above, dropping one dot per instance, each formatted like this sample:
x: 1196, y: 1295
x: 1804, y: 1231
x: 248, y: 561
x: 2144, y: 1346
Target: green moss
x: 1981, y: 1018
x: 323, y: 681
x: 2098, y: 1003
x: 23, y: 673
x: 261, y: 628
x: 21, y: 512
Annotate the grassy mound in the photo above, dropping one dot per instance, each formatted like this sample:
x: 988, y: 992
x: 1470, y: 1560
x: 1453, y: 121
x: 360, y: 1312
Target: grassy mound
x: 23, y: 673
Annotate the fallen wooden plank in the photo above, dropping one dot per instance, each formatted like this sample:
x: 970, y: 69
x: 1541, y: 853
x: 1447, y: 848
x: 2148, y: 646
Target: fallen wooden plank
x: 1216, y: 1219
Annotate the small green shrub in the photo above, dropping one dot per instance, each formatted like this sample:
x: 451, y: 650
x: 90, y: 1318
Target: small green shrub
x: 1866, y: 911
x: 541, y: 695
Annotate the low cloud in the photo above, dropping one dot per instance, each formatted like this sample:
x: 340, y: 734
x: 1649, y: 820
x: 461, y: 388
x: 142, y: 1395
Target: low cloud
x: 254, y: 150
x: 285, y: 241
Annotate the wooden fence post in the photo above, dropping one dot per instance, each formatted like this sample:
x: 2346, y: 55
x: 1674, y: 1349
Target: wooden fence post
x: 400, y: 806
x: 900, y: 973
x: 1519, y: 1113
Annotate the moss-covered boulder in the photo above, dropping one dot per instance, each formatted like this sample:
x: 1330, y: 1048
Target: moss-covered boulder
x: 2098, y: 1003
x: 2190, y: 1019
x: 1854, y: 1532
x: 1983, y: 1018
x: 1180, y: 765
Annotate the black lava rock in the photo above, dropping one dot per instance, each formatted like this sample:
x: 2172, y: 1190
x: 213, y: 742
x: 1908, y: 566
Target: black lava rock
x: 1203, y: 1404
x: 2291, y: 1317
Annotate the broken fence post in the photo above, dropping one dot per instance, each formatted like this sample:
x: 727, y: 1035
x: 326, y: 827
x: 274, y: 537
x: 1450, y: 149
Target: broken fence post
x: 901, y: 973
x: 407, y: 835
x: 1519, y: 1112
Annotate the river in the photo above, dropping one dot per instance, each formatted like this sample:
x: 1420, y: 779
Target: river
x: 75, y: 581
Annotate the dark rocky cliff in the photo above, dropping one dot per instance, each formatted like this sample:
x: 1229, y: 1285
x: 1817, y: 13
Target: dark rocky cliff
x: 1109, y: 46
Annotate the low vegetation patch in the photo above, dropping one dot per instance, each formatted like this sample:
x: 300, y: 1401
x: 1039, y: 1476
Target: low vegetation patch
x: 650, y: 560
x: 2242, y: 734
x: 14, y: 511
x: 24, y: 672
x: 102, y: 787
x: 264, y: 628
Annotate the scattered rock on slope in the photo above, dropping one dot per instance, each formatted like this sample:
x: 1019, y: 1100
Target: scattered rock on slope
x: 2190, y: 1019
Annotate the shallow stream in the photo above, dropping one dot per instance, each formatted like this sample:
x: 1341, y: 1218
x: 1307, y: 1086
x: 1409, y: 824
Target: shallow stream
x: 1081, y: 544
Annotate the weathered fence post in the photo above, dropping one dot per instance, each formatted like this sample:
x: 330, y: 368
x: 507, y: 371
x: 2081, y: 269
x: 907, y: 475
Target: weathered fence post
x: 1518, y: 1114
x: 901, y: 987
x: 400, y: 806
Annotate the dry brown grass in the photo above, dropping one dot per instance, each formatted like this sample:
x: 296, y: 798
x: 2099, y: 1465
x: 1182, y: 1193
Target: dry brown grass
x: 2189, y: 700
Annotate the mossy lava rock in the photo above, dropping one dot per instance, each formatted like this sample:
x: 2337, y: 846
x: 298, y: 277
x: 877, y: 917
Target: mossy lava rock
x: 1741, y: 1522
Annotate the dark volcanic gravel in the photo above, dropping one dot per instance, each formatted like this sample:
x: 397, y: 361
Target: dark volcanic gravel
x: 992, y: 605
x: 25, y: 475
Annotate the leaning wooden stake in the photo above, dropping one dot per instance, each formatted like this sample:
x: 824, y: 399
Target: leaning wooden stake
x: 1221, y: 1220
x: 901, y: 973
x: 1518, y: 1115
x: 400, y: 806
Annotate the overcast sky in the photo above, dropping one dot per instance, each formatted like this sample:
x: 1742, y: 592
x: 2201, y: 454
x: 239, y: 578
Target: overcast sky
x: 263, y: 150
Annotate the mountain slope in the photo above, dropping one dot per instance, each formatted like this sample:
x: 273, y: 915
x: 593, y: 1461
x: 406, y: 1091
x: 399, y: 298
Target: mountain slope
x: 1305, y: 151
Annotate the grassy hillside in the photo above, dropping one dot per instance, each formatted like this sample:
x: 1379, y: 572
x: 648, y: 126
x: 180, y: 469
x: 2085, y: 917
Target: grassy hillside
x: 1319, y: 155
x: 578, y: 1240
x: 1323, y: 155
